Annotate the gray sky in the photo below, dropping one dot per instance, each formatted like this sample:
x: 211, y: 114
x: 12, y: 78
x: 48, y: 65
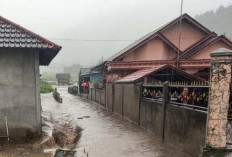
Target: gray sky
x: 97, y: 20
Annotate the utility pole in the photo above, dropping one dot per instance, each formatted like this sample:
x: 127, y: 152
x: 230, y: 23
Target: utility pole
x: 179, y: 38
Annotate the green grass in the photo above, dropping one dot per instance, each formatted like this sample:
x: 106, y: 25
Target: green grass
x: 45, y: 88
x: 51, y: 77
x: 48, y: 76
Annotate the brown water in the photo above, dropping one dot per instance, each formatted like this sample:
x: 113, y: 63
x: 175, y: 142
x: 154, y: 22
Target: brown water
x: 104, y: 133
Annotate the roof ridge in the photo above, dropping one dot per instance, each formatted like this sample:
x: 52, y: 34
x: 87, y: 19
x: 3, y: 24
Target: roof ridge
x: 158, y: 30
x: 58, y: 47
x: 200, y: 42
x: 220, y: 37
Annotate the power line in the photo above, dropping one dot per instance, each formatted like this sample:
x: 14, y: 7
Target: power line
x: 99, y: 40
x: 73, y: 39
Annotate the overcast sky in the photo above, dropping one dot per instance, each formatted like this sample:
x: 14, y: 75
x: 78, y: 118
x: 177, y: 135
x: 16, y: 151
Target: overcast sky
x: 81, y: 20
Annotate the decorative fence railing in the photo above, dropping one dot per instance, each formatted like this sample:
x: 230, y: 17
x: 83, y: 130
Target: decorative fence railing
x: 195, y: 97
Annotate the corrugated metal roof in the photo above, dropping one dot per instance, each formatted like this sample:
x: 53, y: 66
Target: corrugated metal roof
x: 145, y: 72
x: 63, y: 76
x: 16, y: 36
x: 138, y: 74
x: 85, y: 71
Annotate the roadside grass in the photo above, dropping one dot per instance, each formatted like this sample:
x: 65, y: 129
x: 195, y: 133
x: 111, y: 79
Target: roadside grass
x: 45, y: 88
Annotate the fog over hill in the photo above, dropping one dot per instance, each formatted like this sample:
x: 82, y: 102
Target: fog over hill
x: 91, y: 29
x: 219, y: 20
x: 107, y: 34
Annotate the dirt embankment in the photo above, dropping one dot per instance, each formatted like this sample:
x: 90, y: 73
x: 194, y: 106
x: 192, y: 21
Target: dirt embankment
x: 57, y: 135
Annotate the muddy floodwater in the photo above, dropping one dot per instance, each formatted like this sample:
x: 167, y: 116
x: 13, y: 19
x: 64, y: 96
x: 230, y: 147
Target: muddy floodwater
x: 104, y: 133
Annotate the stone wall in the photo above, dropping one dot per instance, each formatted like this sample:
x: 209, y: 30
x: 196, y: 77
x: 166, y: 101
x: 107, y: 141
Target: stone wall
x: 221, y: 69
x: 20, y: 93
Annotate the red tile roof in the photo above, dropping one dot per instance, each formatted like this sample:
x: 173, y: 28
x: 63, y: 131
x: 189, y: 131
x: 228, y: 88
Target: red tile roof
x: 13, y: 35
x: 145, y: 72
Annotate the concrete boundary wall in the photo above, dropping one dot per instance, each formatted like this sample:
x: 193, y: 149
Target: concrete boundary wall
x: 103, y: 97
x: 118, y: 97
x: 151, y: 116
x: 184, y: 127
x: 126, y: 101
x: 180, y: 126
x: 109, y: 96
x: 98, y: 96
x: 130, y: 103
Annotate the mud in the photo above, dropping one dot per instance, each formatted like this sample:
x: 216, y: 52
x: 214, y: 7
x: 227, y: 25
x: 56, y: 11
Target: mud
x: 58, y: 134
x: 104, y: 133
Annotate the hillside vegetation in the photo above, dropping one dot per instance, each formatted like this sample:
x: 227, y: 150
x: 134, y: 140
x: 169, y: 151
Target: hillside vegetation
x: 219, y: 21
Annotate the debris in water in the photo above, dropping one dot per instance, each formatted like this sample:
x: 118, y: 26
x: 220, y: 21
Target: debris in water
x: 83, y: 117
x: 64, y: 153
x: 64, y: 136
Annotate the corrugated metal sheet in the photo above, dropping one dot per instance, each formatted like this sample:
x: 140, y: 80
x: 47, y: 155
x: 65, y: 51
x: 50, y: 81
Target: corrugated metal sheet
x: 145, y: 72
x: 138, y: 74
x: 15, y: 36
x: 85, y: 71
x: 63, y: 76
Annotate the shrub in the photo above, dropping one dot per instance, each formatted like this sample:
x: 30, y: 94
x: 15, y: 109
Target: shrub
x: 95, y: 84
x: 45, y: 88
x: 57, y: 97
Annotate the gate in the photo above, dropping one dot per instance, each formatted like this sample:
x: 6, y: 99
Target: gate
x: 229, y: 122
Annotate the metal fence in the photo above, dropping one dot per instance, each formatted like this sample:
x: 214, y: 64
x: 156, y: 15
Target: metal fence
x: 194, y: 97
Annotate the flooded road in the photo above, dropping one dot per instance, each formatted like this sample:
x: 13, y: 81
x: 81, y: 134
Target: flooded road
x: 104, y: 133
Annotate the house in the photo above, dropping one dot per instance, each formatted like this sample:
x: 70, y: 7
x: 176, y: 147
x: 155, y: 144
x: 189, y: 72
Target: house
x: 21, y: 54
x: 84, y: 76
x: 96, y: 77
x: 91, y: 76
x: 63, y: 78
x: 162, y: 47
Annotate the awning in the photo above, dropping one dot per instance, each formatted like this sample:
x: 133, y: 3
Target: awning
x: 145, y: 72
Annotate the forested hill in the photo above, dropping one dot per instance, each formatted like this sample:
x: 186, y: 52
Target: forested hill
x: 220, y: 21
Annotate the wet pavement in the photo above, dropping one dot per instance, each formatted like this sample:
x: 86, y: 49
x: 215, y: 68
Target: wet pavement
x: 104, y: 133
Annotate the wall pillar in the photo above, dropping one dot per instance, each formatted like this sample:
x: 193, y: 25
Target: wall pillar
x: 220, y: 80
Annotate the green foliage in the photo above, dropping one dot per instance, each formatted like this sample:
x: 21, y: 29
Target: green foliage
x: 45, y: 88
x: 48, y: 76
x: 56, y: 95
x: 51, y: 78
x: 95, y: 84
